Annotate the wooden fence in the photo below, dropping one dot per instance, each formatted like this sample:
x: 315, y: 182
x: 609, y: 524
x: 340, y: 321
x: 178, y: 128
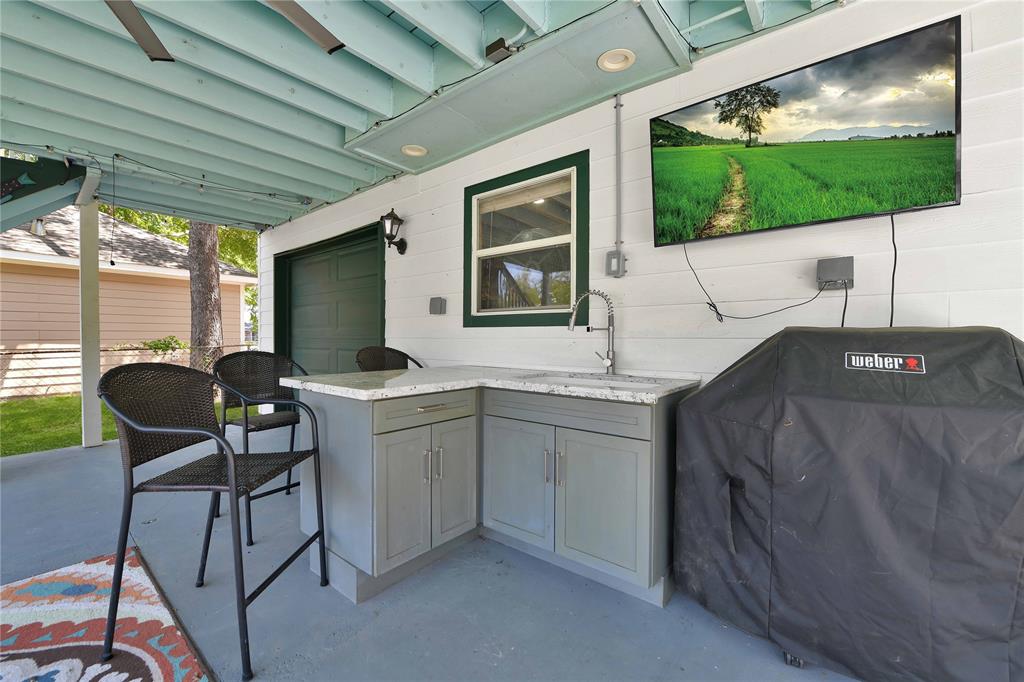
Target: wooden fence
x: 57, y: 371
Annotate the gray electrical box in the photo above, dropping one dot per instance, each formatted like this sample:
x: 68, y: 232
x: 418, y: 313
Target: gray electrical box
x: 614, y: 263
x: 438, y: 305
x: 835, y: 273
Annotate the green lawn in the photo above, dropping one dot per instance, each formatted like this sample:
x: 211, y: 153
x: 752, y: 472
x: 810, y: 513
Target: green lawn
x: 790, y: 184
x: 34, y: 424
x: 688, y: 182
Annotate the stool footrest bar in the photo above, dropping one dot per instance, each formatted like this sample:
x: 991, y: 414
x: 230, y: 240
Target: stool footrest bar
x: 279, y: 489
x: 280, y: 569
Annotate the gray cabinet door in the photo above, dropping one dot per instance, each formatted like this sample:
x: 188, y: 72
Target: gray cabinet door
x: 401, y: 524
x: 454, y: 510
x: 603, y: 502
x: 519, y: 493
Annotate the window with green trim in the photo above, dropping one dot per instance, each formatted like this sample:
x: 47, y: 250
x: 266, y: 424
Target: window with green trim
x: 526, y: 245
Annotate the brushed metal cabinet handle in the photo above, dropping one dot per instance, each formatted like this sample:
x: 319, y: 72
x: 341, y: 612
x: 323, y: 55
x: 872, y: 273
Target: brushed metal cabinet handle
x: 431, y: 408
x: 440, y: 463
x: 428, y: 465
x: 559, y: 458
x: 547, y: 474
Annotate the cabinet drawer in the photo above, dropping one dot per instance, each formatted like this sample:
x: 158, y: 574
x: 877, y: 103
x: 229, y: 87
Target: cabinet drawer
x: 599, y: 416
x: 417, y: 410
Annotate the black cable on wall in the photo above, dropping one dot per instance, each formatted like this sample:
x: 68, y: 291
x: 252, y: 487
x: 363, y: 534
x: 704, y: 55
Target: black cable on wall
x: 892, y: 285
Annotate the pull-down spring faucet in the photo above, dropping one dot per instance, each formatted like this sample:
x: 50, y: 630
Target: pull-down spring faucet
x: 609, y: 358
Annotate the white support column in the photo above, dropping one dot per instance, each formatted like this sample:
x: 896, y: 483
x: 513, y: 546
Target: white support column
x: 89, y: 317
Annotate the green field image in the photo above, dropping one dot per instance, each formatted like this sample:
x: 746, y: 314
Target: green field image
x: 712, y: 190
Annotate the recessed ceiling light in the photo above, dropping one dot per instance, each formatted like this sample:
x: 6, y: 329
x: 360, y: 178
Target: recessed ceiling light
x: 538, y: 201
x: 616, y: 60
x: 414, y: 150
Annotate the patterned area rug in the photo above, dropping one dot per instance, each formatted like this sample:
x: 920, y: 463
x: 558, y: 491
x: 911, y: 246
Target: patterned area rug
x: 51, y: 628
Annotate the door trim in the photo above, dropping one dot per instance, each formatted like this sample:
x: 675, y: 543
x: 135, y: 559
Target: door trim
x: 282, y: 279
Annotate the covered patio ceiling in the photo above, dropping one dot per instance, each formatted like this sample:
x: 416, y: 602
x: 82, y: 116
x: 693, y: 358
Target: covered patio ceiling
x: 254, y: 123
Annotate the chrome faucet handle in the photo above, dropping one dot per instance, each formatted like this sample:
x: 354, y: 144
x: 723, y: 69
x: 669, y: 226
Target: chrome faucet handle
x: 605, y: 360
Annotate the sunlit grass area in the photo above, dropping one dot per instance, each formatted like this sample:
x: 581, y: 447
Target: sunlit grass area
x: 34, y: 424
x: 688, y: 183
x: 792, y: 184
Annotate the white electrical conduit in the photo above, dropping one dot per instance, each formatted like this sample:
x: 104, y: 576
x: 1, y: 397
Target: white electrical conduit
x: 618, y: 175
x: 522, y: 32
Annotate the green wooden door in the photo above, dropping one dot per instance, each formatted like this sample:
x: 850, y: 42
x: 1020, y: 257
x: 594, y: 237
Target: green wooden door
x: 334, y: 294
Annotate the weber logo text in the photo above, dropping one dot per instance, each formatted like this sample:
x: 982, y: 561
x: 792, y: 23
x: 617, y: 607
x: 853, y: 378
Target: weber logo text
x: 886, y: 362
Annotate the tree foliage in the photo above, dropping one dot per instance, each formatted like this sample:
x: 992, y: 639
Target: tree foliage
x: 744, y: 107
x: 668, y: 134
x: 162, y: 346
x: 235, y: 245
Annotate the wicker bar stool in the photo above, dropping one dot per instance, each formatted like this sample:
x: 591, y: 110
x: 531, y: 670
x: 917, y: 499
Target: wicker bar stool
x: 376, y: 358
x: 161, y: 408
x: 254, y: 375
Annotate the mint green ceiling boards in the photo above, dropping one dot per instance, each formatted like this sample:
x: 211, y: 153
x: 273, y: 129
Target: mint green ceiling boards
x: 254, y: 123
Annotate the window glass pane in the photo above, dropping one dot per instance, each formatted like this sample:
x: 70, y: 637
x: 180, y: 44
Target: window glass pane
x: 536, y: 211
x: 540, y: 278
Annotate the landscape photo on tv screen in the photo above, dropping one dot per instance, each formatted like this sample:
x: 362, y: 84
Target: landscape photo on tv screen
x: 872, y: 131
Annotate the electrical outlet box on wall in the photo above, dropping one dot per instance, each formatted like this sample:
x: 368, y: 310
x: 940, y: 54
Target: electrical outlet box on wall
x: 614, y: 263
x: 835, y: 273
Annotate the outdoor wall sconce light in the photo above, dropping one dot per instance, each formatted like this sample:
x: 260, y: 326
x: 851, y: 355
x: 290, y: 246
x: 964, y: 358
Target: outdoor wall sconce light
x: 391, y: 224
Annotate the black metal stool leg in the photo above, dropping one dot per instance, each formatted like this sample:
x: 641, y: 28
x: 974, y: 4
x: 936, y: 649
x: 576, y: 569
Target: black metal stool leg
x: 248, y: 501
x: 115, y: 587
x: 248, y: 521
x: 291, y: 448
x: 223, y: 432
x: 320, y: 518
x: 214, y: 506
x: 243, y: 624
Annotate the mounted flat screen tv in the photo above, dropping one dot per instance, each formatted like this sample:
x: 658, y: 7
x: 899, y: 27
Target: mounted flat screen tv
x: 869, y: 132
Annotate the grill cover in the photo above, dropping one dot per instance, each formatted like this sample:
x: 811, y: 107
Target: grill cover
x: 857, y: 496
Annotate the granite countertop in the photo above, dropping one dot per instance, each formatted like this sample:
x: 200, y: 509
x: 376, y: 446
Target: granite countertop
x: 406, y: 382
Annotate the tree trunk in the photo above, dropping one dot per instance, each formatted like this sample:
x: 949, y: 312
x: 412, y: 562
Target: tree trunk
x: 204, y: 286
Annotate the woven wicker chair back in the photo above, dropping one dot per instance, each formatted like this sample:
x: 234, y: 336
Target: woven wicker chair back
x: 158, y: 394
x: 255, y: 374
x: 377, y: 358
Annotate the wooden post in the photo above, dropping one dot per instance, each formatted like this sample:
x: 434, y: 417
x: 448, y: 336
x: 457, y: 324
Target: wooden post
x: 89, y: 321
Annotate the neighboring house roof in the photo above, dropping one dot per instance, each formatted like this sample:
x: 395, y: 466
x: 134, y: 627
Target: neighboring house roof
x: 132, y: 245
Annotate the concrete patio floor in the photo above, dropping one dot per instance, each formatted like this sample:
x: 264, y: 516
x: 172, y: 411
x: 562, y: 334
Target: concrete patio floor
x: 483, y: 612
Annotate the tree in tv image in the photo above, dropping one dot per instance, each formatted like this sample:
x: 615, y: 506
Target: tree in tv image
x: 867, y: 132
x: 744, y: 107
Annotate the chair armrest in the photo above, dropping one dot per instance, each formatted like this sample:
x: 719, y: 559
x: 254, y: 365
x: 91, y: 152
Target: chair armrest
x: 303, y: 406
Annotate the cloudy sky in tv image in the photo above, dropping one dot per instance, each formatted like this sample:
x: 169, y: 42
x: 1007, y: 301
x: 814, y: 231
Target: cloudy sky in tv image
x: 907, y: 81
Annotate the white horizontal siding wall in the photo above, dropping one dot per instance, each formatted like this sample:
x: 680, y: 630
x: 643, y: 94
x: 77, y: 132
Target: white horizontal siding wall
x: 957, y: 266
